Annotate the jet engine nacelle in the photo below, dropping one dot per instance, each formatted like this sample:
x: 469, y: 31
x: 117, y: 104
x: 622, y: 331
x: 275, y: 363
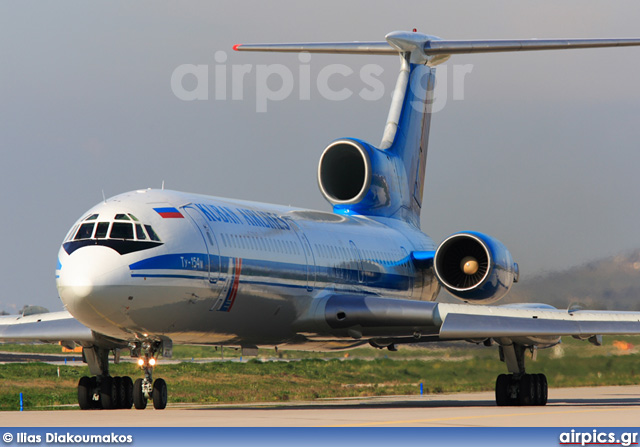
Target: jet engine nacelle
x: 475, y: 267
x: 344, y: 172
x: 356, y: 177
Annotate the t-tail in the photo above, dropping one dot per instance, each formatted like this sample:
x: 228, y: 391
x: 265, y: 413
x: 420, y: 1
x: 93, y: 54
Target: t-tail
x: 388, y: 181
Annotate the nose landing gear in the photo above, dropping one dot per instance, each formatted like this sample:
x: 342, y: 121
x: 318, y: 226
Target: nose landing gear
x: 145, y: 389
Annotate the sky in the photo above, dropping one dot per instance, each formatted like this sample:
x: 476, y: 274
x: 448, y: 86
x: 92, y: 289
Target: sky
x: 539, y: 150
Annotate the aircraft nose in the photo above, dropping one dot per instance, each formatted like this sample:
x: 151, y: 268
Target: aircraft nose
x: 84, y: 273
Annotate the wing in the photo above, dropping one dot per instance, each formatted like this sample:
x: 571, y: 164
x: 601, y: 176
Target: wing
x: 49, y: 327
x: 461, y: 321
x: 404, y: 321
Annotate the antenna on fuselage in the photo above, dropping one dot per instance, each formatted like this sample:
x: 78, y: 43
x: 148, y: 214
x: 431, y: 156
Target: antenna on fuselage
x: 104, y: 199
x: 163, y: 185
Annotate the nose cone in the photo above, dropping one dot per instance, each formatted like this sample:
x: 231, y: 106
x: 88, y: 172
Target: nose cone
x: 85, y: 276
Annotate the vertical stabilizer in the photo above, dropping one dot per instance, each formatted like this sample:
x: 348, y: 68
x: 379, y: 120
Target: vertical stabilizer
x: 406, y: 134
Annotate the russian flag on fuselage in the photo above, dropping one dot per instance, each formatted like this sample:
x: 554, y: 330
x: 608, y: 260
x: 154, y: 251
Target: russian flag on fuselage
x: 169, y: 212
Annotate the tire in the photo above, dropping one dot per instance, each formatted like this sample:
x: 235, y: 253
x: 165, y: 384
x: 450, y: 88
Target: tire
x: 502, y: 390
x: 159, y: 394
x: 526, y: 391
x: 85, y: 393
x: 127, y: 388
x: 544, y: 389
x: 106, y: 393
x: 139, y: 401
x: 536, y: 390
x: 95, y: 404
x: 117, y: 393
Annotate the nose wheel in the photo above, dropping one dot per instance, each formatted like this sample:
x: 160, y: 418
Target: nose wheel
x: 146, y: 389
x: 158, y: 394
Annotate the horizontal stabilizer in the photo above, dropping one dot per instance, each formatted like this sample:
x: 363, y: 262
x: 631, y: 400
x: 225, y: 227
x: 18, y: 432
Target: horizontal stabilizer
x: 380, y: 48
x: 430, y: 46
x: 494, y: 46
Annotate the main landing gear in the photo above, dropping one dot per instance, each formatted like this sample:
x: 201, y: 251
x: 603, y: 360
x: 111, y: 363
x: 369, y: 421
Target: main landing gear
x: 110, y: 393
x: 519, y: 388
x: 105, y: 392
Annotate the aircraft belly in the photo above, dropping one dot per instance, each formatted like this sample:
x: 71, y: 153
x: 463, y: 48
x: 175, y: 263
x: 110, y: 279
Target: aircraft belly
x: 193, y: 315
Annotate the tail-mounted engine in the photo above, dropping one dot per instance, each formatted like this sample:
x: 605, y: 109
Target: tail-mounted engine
x: 344, y: 172
x: 475, y: 267
x: 357, y: 177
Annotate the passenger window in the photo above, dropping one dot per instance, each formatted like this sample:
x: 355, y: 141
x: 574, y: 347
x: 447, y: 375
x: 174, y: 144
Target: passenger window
x: 140, y: 233
x: 85, y: 231
x: 121, y: 231
x: 102, y: 229
x: 152, y: 234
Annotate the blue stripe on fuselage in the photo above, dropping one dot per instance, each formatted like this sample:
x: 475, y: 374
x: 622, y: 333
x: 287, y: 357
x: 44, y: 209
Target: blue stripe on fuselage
x: 259, y: 271
x: 180, y: 261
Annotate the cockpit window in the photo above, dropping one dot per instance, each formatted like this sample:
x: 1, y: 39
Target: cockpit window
x: 113, y: 230
x: 101, y: 230
x: 152, y: 234
x: 140, y: 232
x: 121, y: 230
x: 71, y: 233
x: 85, y: 231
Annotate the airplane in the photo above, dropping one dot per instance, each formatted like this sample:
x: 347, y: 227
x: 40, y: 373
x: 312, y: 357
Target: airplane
x: 151, y: 268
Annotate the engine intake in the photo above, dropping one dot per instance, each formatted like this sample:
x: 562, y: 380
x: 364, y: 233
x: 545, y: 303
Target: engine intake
x: 475, y: 267
x: 344, y: 172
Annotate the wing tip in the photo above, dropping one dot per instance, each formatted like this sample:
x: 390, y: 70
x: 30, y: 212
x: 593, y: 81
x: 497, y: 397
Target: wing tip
x: 236, y: 46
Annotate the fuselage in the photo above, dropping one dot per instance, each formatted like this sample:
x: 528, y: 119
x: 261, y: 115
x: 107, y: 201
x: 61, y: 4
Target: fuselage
x: 204, y: 270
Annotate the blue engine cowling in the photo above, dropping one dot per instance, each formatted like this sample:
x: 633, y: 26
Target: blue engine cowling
x: 475, y: 267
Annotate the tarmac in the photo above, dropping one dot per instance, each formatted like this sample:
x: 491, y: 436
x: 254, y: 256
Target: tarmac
x: 567, y: 407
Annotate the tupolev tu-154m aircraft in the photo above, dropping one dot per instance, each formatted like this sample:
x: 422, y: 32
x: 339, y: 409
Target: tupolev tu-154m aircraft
x: 151, y: 268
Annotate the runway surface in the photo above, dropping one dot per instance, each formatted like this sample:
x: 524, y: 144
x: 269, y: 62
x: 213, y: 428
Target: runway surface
x: 567, y: 407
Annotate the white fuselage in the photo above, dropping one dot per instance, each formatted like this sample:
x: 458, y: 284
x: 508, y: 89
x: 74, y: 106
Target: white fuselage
x: 204, y: 270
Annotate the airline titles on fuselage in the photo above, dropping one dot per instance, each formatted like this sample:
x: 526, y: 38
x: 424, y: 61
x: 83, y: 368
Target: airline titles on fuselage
x: 225, y: 214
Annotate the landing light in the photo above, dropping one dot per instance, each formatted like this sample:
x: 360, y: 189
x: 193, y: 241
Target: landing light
x: 142, y: 362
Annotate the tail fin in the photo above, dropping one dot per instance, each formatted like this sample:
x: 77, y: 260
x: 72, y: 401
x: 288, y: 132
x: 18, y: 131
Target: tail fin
x: 369, y: 187
x: 406, y: 134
